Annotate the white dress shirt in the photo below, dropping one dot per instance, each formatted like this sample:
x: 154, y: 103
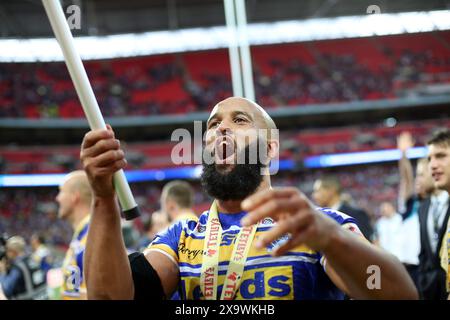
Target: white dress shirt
x: 410, y: 239
x: 436, y: 214
x: 389, y: 230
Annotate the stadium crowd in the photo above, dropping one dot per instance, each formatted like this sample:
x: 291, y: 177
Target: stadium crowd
x: 157, y: 154
x: 175, y: 85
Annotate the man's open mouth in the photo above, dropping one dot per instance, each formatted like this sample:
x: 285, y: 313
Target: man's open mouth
x: 224, y: 150
x: 436, y: 176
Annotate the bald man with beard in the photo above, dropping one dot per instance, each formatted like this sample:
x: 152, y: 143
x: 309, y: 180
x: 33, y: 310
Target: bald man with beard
x: 74, y: 199
x: 255, y: 242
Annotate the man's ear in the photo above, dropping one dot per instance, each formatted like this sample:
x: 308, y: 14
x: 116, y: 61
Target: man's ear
x: 75, y: 196
x: 273, y: 149
x: 170, y: 205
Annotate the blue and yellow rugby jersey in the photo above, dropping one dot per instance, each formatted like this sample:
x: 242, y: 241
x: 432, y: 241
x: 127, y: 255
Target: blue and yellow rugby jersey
x: 299, y: 274
x: 187, y: 216
x: 74, y: 287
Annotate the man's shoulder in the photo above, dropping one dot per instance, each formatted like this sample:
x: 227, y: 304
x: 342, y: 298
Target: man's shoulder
x: 339, y: 216
x: 189, y: 222
x: 17, y: 267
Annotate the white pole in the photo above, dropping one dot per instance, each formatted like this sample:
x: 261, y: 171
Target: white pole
x: 86, y: 95
x: 247, y: 70
x: 233, y: 50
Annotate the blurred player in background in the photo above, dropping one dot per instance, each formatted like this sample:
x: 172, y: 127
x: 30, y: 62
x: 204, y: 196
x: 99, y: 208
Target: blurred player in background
x: 74, y: 199
x: 177, y: 199
x: 316, y: 261
x: 147, y: 235
x: 41, y: 253
x: 2, y: 294
x: 327, y: 194
x: 388, y: 229
x: 130, y: 235
x: 439, y: 165
x: 20, y: 278
x: 158, y: 221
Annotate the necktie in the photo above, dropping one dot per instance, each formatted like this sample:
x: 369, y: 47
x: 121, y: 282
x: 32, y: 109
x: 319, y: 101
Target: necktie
x: 436, y: 215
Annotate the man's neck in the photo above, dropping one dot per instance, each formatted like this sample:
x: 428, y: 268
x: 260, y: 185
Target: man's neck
x: 436, y: 192
x: 234, y: 206
x: 78, y: 215
x: 182, y: 212
x: 335, y: 201
x: 229, y: 206
x: 19, y: 256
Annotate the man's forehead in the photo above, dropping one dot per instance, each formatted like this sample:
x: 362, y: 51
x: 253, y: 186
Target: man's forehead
x: 233, y: 106
x: 73, y: 177
x: 433, y: 148
x: 67, y: 181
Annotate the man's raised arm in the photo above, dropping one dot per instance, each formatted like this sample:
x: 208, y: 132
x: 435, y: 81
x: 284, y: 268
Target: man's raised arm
x: 406, y: 187
x: 106, y: 267
x: 108, y: 271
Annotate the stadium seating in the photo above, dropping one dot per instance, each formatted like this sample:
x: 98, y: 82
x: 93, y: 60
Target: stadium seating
x: 285, y: 74
x: 157, y: 154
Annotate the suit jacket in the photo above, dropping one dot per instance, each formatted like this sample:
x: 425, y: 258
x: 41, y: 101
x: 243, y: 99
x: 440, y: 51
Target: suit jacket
x: 432, y: 278
x: 361, y: 217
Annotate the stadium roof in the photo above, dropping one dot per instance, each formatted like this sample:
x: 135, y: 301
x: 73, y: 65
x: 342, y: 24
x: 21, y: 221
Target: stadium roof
x: 207, y: 38
x: 26, y: 18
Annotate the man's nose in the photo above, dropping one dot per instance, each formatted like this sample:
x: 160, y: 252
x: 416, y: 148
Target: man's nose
x: 224, y: 128
x: 432, y: 164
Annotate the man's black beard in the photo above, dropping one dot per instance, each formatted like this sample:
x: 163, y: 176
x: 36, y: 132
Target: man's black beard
x: 236, y: 184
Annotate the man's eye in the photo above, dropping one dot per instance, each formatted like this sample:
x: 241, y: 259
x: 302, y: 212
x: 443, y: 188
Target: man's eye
x: 239, y: 120
x: 213, y: 124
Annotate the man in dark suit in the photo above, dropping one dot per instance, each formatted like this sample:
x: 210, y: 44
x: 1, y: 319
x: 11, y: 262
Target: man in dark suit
x: 419, y: 195
x: 432, y: 277
x: 328, y: 194
x: 433, y: 213
x: 434, y: 225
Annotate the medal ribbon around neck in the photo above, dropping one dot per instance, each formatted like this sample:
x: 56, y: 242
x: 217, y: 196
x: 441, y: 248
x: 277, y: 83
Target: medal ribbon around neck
x: 210, y: 263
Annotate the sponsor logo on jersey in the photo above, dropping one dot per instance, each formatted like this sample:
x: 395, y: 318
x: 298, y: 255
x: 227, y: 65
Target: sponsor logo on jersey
x: 275, y: 283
